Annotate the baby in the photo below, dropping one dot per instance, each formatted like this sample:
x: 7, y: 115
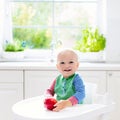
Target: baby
x: 68, y: 86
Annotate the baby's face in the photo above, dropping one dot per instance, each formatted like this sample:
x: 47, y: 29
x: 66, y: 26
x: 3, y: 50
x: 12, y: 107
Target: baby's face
x: 67, y: 64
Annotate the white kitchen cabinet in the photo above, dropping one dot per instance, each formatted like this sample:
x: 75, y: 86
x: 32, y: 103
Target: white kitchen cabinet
x: 36, y: 82
x: 11, y: 91
x: 113, y: 86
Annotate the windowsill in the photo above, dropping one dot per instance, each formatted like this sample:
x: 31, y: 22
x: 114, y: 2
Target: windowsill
x: 29, y: 55
x: 25, y: 60
x: 46, y: 60
x: 42, y: 55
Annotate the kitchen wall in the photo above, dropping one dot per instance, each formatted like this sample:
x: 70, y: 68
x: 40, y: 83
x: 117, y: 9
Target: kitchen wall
x: 1, y: 23
x: 113, y: 31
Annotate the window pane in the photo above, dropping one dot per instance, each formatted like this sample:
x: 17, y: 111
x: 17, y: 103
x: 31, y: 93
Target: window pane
x: 32, y: 13
x: 33, y: 38
x: 67, y: 37
x: 75, y: 14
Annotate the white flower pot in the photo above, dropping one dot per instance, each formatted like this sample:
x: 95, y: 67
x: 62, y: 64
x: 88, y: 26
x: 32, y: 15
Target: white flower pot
x: 92, y: 56
x: 13, y: 55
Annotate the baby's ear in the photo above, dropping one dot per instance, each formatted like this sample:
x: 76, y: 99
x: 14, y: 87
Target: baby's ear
x: 57, y: 66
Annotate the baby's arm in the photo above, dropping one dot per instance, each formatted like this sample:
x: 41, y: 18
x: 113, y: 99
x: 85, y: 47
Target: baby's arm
x: 50, y: 90
x: 79, y: 88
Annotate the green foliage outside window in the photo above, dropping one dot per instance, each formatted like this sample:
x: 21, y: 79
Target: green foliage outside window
x: 34, y: 38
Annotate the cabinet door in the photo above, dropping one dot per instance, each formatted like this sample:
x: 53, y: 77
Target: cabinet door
x: 113, y: 89
x: 11, y: 76
x: 9, y: 95
x: 36, y: 82
x: 97, y: 77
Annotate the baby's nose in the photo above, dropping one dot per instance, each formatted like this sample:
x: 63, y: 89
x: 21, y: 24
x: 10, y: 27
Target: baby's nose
x: 67, y: 65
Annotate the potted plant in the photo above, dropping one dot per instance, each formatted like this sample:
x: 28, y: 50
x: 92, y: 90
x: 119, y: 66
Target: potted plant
x: 91, y: 44
x: 13, y: 50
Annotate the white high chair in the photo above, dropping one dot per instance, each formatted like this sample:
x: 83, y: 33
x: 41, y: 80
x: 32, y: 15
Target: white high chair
x: 92, y: 109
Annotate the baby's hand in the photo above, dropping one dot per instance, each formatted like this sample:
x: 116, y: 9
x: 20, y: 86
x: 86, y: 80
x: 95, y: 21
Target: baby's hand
x: 61, y: 105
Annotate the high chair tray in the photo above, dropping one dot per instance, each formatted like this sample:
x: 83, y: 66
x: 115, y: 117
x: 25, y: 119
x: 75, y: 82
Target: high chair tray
x: 33, y: 109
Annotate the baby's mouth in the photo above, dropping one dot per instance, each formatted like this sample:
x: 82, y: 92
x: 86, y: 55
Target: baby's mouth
x: 67, y: 70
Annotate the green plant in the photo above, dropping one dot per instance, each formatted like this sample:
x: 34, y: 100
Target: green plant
x: 13, y: 47
x: 91, y: 41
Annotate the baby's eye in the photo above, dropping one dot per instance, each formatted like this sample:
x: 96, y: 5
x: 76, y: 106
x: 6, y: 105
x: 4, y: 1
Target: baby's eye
x: 62, y: 62
x: 71, y: 62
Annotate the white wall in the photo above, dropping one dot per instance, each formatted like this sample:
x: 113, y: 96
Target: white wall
x: 113, y: 31
x: 1, y: 23
x: 4, y: 23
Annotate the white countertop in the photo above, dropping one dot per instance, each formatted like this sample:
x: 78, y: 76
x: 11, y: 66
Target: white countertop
x: 52, y: 66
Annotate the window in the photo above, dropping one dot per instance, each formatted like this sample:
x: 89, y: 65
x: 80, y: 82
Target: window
x: 49, y: 24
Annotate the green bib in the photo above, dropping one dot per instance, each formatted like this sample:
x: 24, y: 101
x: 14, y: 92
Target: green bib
x: 64, y: 87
